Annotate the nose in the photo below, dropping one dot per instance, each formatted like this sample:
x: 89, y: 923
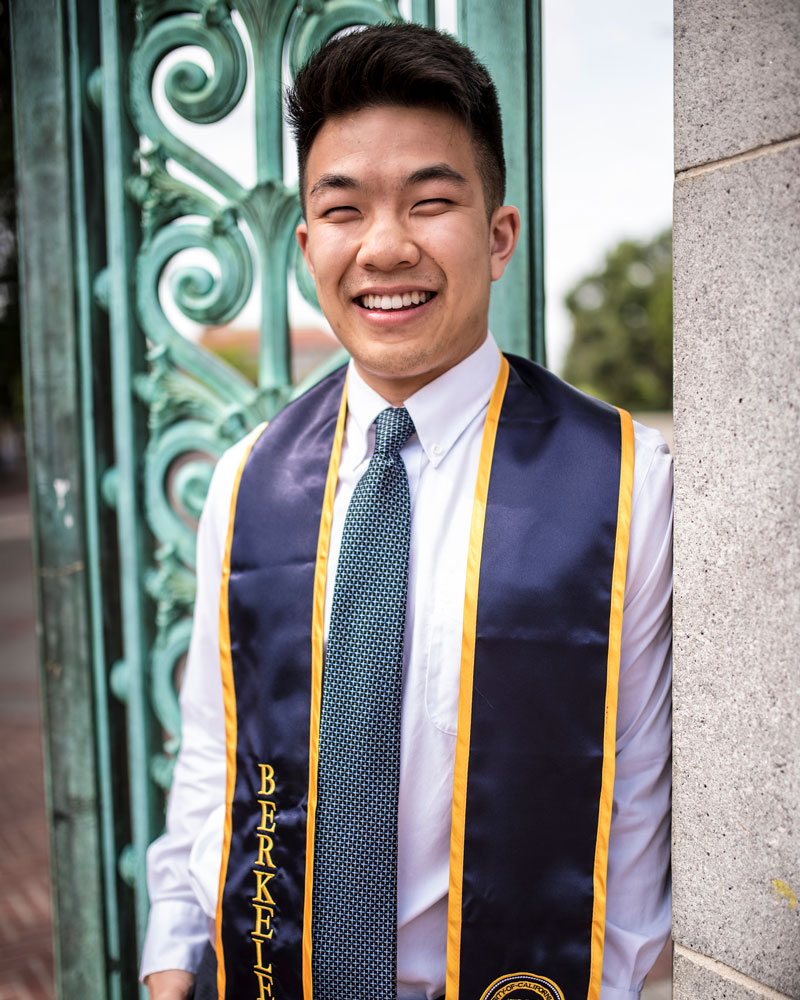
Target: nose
x: 387, y: 244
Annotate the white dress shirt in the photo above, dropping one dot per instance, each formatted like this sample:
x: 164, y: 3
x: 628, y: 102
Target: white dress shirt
x: 442, y: 461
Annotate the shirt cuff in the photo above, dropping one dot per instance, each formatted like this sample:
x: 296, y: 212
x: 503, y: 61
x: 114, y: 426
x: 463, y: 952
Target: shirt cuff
x: 613, y: 993
x: 177, y: 933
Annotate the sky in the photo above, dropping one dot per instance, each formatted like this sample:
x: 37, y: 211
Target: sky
x: 607, y: 95
x: 608, y: 164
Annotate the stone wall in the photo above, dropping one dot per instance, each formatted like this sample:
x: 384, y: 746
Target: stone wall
x: 737, y: 507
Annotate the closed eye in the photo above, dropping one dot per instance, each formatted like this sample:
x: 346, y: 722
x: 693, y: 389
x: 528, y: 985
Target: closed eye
x: 433, y: 204
x: 340, y: 212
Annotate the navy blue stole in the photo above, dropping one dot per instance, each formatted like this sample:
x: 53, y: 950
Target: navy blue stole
x: 535, y: 749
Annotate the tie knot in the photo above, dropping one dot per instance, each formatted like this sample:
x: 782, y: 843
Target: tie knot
x: 393, y: 427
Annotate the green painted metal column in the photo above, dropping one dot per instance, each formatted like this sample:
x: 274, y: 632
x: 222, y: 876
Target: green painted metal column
x: 49, y: 292
x: 125, y: 482
x: 507, y: 38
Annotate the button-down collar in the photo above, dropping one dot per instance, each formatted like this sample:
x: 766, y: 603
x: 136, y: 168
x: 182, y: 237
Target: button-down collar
x: 441, y: 410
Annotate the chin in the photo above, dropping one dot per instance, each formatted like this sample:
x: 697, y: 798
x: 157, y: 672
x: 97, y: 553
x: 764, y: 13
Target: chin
x: 392, y: 364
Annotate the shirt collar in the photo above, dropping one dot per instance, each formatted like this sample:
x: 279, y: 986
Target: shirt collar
x: 441, y: 410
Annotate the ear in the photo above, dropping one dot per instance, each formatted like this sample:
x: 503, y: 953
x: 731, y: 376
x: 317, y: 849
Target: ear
x: 302, y: 239
x: 503, y: 235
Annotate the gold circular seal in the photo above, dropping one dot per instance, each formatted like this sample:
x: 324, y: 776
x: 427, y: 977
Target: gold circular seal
x: 522, y: 986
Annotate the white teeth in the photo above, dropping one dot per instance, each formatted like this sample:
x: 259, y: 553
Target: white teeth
x: 395, y: 301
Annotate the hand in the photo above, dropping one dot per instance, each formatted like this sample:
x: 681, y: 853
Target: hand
x: 171, y: 984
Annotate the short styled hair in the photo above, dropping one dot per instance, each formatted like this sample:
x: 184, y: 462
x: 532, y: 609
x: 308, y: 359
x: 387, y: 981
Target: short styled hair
x: 403, y: 65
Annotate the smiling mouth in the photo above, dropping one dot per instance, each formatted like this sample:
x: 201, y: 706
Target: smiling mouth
x: 389, y: 303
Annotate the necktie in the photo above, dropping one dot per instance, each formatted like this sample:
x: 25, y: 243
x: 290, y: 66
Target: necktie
x: 354, y: 922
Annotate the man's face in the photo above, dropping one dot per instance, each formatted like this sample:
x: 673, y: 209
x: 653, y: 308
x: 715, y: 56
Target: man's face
x: 399, y: 244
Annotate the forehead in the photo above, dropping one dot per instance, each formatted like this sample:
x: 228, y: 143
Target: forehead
x: 388, y: 143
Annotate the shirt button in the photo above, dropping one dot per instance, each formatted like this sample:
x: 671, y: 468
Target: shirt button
x: 437, y: 450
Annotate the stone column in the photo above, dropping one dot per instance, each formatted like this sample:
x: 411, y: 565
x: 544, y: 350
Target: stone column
x: 737, y: 506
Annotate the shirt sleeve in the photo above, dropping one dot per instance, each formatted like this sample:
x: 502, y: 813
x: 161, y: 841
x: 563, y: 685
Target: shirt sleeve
x: 181, y: 913
x: 638, y: 905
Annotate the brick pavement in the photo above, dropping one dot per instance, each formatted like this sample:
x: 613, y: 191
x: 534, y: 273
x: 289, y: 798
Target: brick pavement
x: 26, y: 952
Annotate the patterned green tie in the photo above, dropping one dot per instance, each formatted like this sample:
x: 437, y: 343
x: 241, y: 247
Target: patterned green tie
x: 354, y: 922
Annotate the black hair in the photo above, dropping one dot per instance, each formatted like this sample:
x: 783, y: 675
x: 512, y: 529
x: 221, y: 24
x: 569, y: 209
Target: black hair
x: 404, y: 65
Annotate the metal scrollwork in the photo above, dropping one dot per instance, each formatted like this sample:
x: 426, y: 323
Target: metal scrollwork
x: 204, y: 238
x: 192, y: 93
x: 316, y: 22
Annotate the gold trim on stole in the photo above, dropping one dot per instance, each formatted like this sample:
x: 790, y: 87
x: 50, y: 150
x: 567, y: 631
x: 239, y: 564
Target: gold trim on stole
x: 612, y: 691
x: 317, y: 634
x: 465, y: 686
x: 229, y: 700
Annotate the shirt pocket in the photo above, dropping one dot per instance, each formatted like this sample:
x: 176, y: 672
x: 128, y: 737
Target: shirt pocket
x: 443, y: 665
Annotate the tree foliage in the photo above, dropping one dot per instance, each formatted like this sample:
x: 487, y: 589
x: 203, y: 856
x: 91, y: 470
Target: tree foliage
x: 621, y: 346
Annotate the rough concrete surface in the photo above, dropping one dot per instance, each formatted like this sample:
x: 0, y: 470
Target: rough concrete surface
x: 736, y: 869
x: 696, y: 978
x: 737, y: 77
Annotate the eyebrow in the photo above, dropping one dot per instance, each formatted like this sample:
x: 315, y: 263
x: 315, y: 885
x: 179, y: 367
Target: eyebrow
x: 434, y: 172
x: 329, y: 182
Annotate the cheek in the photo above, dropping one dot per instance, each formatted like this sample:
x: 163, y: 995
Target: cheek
x: 460, y: 251
x: 326, y: 253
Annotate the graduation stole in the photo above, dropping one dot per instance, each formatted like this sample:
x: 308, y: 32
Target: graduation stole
x: 534, y: 765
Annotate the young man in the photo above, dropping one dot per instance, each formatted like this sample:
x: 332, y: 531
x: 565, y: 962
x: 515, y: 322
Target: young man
x: 447, y: 746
